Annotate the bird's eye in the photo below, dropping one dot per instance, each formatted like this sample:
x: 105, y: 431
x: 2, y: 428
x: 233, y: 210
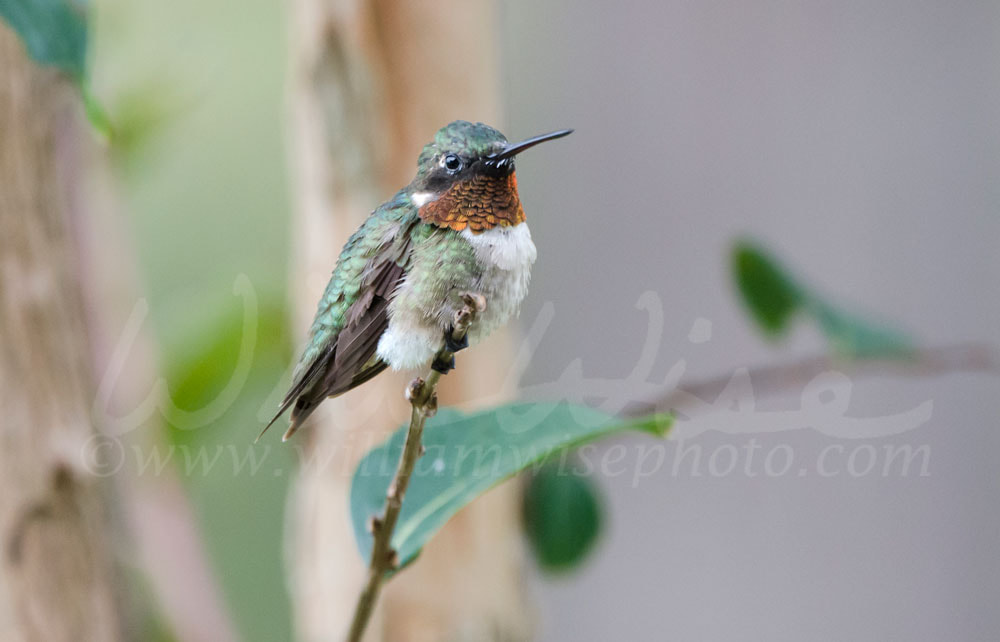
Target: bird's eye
x: 452, y: 163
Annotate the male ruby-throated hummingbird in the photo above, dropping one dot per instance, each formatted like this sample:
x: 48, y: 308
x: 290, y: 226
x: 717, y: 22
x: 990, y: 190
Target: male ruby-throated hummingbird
x: 457, y: 228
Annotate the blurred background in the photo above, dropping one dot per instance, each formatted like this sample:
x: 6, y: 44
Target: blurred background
x: 858, y: 141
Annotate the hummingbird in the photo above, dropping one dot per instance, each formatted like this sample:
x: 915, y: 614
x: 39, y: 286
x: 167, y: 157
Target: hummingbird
x: 457, y: 228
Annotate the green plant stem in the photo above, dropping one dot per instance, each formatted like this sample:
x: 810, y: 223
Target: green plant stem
x: 422, y: 394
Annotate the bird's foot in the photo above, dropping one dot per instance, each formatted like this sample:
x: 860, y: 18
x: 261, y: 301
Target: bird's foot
x: 453, y: 345
x: 443, y: 366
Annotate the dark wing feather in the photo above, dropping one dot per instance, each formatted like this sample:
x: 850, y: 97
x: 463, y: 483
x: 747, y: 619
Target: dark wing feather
x: 345, y: 356
x: 351, y: 360
x: 299, y: 386
x: 308, y: 402
x: 367, y: 320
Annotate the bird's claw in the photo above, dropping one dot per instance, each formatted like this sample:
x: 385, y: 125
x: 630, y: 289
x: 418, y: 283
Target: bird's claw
x: 454, y: 345
x: 443, y: 366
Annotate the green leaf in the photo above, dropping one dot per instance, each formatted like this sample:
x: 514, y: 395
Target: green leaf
x: 852, y: 337
x: 142, y: 112
x: 97, y: 115
x: 53, y: 31
x: 562, y: 517
x: 773, y: 297
x: 769, y: 293
x: 465, y: 456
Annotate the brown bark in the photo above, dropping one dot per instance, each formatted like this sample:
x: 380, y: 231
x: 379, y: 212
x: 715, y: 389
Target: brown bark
x: 58, y: 576
x: 371, y: 82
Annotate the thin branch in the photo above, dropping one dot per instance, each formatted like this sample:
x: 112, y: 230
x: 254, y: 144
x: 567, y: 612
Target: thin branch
x: 422, y: 396
x: 774, y: 379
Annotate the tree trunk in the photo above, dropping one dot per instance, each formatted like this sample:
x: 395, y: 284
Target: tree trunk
x: 371, y: 83
x: 58, y: 575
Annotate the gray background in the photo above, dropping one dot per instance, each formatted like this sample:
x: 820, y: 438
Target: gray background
x: 859, y: 140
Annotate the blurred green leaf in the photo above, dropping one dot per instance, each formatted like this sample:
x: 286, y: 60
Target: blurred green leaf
x: 53, y: 31
x: 562, y: 517
x: 773, y: 297
x: 769, y: 293
x: 236, y: 487
x: 143, y: 113
x: 211, y: 364
x: 466, y: 455
x: 853, y: 337
x: 96, y: 114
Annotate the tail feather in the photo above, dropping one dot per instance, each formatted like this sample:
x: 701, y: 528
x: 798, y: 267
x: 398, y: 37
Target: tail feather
x: 294, y: 395
x: 303, y: 408
x: 281, y: 410
x: 301, y: 411
x: 321, y: 381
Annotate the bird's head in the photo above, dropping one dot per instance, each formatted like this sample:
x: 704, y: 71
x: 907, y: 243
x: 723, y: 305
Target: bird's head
x: 465, y: 178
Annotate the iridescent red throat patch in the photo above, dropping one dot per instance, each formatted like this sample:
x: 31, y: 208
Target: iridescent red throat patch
x: 480, y: 203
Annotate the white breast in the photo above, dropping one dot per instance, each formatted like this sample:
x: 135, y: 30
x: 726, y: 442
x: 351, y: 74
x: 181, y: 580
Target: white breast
x: 506, y: 255
x: 506, y: 248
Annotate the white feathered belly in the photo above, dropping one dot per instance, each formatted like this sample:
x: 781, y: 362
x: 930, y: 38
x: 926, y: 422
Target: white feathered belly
x: 505, y: 256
